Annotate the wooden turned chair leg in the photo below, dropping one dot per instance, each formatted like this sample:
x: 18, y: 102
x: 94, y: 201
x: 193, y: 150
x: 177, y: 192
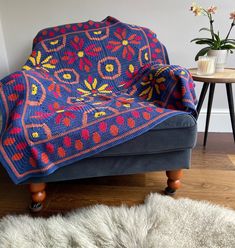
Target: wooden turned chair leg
x: 38, y: 195
x: 173, y: 181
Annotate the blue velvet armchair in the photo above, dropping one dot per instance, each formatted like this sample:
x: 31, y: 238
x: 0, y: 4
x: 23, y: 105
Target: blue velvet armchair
x: 96, y: 99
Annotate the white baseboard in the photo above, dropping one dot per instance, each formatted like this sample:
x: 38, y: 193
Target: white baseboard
x: 219, y: 121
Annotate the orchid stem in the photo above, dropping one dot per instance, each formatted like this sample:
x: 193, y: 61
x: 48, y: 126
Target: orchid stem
x: 211, y: 26
x: 229, y: 30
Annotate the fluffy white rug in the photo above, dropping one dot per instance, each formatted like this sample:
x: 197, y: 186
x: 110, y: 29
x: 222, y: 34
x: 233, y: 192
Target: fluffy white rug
x: 160, y: 222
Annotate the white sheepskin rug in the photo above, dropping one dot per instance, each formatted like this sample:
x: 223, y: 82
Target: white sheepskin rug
x: 160, y: 222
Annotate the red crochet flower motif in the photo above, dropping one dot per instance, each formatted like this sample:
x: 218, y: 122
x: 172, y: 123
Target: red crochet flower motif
x: 56, y: 88
x: 155, y: 50
x: 152, y: 85
x: 82, y: 53
x: 63, y: 115
x: 124, y: 43
x: 131, y: 72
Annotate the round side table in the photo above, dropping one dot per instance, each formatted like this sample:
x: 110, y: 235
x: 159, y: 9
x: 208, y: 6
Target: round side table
x: 226, y: 77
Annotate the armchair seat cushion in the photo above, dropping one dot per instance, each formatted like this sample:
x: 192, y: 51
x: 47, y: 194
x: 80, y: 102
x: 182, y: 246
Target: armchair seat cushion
x: 176, y: 133
x: 165, y: 147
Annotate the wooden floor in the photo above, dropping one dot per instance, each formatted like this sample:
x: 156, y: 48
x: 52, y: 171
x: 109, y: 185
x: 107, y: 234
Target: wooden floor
x: 212, y: 178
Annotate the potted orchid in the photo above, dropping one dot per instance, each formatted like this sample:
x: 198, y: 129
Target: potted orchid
x: 216, y: 46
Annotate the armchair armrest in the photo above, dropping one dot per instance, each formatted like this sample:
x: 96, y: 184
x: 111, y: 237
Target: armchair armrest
x: 168, y: 86
x: 12, y: 91
x: 15, y: 87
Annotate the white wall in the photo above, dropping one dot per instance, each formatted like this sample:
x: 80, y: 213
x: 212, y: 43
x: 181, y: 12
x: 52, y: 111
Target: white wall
x: 171, y: 20
x: 4, y: 68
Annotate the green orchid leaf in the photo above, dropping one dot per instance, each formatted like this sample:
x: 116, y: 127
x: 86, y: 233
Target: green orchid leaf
x: 204, y: 42
x: 217, y: 37
x: 217, y: 42
x: 228, y: 47
x: 198, y: 39
x: 228, y: 42
x: 202, y: 52
x: 216, y: 45
x: 231, y: 44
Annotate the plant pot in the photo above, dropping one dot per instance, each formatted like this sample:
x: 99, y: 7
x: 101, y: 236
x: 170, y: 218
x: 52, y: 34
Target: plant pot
x: 221, y: 58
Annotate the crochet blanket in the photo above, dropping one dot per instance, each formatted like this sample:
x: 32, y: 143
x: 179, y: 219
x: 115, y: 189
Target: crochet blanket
x: 87, y: 87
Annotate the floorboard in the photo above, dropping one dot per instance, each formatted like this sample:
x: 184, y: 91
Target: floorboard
x: 211, y: 178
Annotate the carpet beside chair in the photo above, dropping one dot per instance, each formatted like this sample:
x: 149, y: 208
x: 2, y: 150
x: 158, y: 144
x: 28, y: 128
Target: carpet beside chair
x: 160, y: 222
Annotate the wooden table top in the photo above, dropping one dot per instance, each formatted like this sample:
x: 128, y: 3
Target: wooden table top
x: 227, y: 76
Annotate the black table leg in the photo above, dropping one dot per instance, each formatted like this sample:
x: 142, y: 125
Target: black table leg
x: 210, y: 99
x: 202, y: 97
x: 231, y: 106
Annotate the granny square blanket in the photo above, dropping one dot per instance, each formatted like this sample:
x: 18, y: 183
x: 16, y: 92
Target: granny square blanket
x: 87, y: 87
